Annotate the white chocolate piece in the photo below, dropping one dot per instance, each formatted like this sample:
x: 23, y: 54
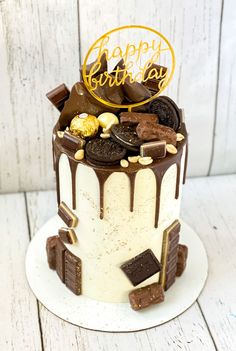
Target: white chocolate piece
x: 107, y: 119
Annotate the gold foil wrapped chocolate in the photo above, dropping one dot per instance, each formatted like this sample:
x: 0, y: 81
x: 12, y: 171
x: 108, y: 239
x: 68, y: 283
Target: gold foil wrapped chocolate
x: 84, y: 127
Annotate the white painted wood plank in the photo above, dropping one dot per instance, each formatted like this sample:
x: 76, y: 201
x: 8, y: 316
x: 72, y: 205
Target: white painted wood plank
x: 39, y: 50
x: 193, y: 29
x: 209, y: 207
x: 187, y: 332
x: 18, y: 308
x: 224, y: 160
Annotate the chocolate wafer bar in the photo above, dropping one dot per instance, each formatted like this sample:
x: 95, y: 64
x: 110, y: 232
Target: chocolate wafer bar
x: 146, y: 296
x: 154, y: 149
x: 73, y: 272
x: 182, y: 259
x: 58, y: 96
x: 60, y: 259
x: 51, y: 251
x: 67, y: 235
x: 72, y: 142
x: 169, y: 255
x: 67, y: 215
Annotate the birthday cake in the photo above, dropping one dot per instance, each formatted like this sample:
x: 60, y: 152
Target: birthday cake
x: 120, y: 162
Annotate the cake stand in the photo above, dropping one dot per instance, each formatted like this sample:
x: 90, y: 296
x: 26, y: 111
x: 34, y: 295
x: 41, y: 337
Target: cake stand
x: 113, y: 317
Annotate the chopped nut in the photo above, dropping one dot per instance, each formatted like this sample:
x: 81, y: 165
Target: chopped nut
x: 79, y: 155
x: 124, y: 163
x: 171, y: 149
x: 145, y: 161
x: 60, y: 134
x: 105, y: 135
x: 133, y: 159
x: 179, y: 137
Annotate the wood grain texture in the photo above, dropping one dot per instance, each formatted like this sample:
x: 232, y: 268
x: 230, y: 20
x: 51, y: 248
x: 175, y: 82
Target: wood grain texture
x: 18, y: 308
x: 224, y: 160
x: 187, y: 332
x: 38, y: 51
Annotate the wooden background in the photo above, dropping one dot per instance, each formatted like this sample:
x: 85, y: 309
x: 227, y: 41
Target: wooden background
x: 42, y: 44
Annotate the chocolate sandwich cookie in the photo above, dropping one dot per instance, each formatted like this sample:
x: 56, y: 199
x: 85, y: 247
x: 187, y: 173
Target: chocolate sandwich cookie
x: 126, y: 136
x: 104, y: 152
x: 166, y: 112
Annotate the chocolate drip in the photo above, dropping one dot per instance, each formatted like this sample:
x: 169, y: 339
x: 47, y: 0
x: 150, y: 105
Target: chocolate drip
x: 132, y: 177
x: 102, y: 177
x: 185, y: 163
x: 57, y: 157
x: 159, y: 177
x: 178, y: 164
x: 73, y: 168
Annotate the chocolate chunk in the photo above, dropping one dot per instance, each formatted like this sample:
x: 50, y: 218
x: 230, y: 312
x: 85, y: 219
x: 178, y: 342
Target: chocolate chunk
x: 166, y: 112
x: 51, y: 251
x: 135, y: 92
x: 144, y: 297
x: 98, y: 69
x: 152, y: 131
x: 67, y: 215
x: 60, y: 259
x: 67, y: 235
x: 169, y: 255
x: 137, y: 117
x: 113, y: 94
x: 72, y: 142
x: 141, y: 267
x: 154, y: 149
x: 58, y: 96
x: 73, y: 272
x: 182, y: 259
x: 157, y: 76
x: 104, y: 152
x: 126, y: 136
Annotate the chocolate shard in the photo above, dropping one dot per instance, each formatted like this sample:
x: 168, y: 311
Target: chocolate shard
x: 60, y: 259
x: 169, y: 255
x: 154, y: 78
x: 154, y: 149
x: 137, y: 117
x: 144, y: 297
x: 58, y: 96
x: 135, y: 91
x: 72, y: 142
x: 113, y: 94
x: 101, y: 66
x: 73, y: 272
x: 182, y: 259
x: 151, y: 131
x: 141, y: 267
x: 67, y: 235
x: 67, y: 215
x: 51, y: 251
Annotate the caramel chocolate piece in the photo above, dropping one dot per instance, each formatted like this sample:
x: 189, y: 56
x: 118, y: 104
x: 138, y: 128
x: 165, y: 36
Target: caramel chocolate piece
x: 67, y: 235
x: 169, y: 255
x: 67, y: 215
x: 154, y: 149
x: 60, y: 259
x: 58, y: 96
x: 154, y: 84
x: 135, y: 92
x: 152, y: 131
x: 73, y: 272
x: 141, y: 267
x: 72, y: 142
x: 51, y: 251
x: 182, y: 259
x: 137, y: 117
x: 144, y: 297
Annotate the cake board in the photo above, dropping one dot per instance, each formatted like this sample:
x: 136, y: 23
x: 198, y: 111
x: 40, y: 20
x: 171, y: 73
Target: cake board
x: 113, y: 317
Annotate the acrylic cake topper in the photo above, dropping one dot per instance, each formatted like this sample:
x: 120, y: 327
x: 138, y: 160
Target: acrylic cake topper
x: 139, y: 56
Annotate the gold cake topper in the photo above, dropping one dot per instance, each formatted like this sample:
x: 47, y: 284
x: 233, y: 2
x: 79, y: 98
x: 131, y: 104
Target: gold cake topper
x: 139, y: 57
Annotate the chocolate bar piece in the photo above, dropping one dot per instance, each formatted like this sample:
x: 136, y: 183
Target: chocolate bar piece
x: 137, y: 117
x: 67, y: 235
x: 154, y: 149
x: 169, y: 255
x: 58, y: 96
x: 182, y: 259
x: 60, y: 259
x: 73, y: 272
x: 51, y: 251
x: 146, y: 296
x: 67, y: 215
x: 141, y: 267
x: 135, y: 91
x: 154, y: 84
x: 151, y: 131
x: 72, y: 142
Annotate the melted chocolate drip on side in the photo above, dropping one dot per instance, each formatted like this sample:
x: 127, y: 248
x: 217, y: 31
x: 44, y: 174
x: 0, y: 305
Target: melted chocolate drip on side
x: 73, y: 168
x: 57, y: 157
x: 178, y: 164
x: 102, y: 177
x: 185, y: 162
x: 132, y: 177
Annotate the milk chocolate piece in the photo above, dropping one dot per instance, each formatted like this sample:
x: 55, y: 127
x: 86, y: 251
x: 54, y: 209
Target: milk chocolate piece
x: 101, y: 66
x: 73, y: 272
x: 72, y: 142
x: 144, y: 297
x: 51, y: 251
x: 182, y: 259
x: 137, y: 117
x: 60, y: 259
x: 58, y: 96
x: 152, y: 131
x: 112, y: 94
x: 169, y: 255
x: 67, y: 215
x: 154, y: 149
x: 67, y: 235
x: 154, y: 84
x: 141, y: 267
x: 135, y: 92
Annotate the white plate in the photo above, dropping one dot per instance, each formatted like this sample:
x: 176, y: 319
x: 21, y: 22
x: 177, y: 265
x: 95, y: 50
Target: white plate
x: 116, y: 317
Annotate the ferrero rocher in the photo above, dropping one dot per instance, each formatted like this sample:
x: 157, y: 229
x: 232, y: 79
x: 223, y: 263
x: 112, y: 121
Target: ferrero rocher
x: 84, y: 127
x: 107, y: 119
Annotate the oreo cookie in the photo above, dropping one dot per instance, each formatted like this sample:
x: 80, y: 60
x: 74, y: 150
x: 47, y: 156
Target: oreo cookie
x: 126, y: 136
x: 104, y: 152
x: 167, y: 112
